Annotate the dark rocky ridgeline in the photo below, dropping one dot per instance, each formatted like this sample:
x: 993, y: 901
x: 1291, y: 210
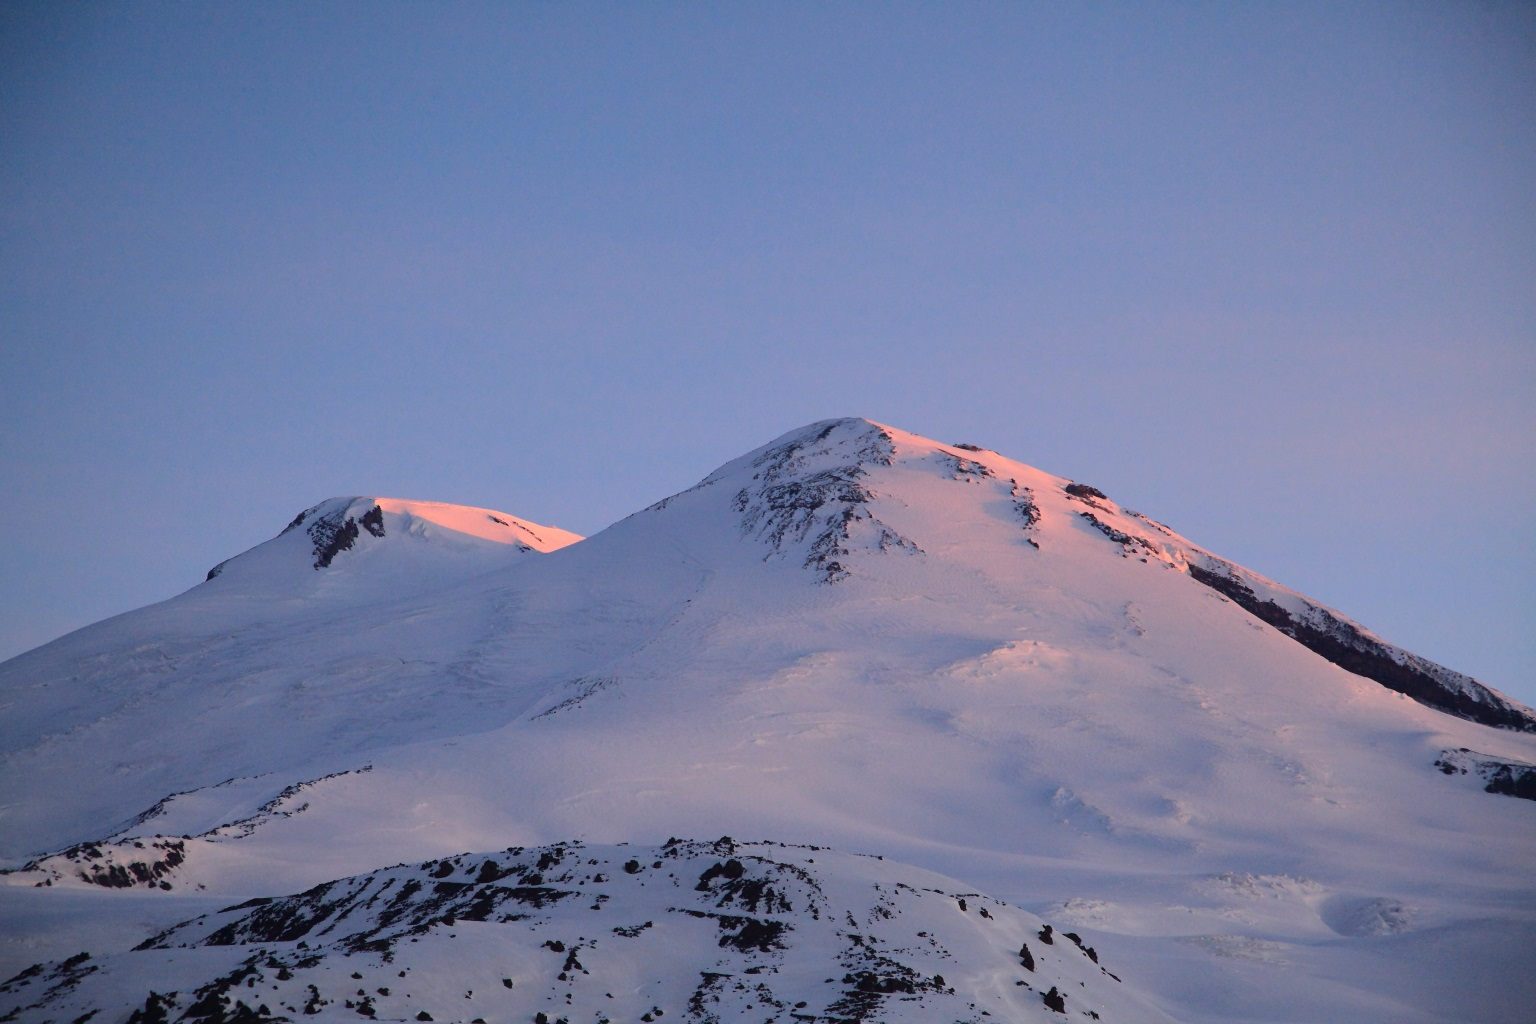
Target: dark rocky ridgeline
x: 737, y: 931
x: 1347, y: 646
x: 299, y: 519
x: 1499, y: 775
x: 1130, y: 543
x: 807, y: 492
x: 1316, y: 628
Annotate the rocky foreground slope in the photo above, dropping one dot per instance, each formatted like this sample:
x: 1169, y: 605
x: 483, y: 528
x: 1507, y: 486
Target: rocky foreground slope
x: 717, y: 931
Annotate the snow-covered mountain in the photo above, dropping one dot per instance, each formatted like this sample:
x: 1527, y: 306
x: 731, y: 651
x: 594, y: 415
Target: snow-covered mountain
x: 371, y: 543
x: 853, y: 637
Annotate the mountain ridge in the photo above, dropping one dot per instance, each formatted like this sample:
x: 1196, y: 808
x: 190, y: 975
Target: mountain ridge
x: 787, y: 501
x: 335, y: 526
x: 851, y: 637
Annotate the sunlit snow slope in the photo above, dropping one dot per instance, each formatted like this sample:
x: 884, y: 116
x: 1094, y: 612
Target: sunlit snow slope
x: 853, y: 637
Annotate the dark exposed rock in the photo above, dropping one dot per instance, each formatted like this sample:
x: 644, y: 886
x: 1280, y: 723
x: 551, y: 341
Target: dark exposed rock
x: 331, y: 540
x: 1088, y: 951
x: 631, y: 931
x: 1024, y: 505
x: 1055, y: 1000
x: 1499, y: 775
x: 754, y: 934
x: 373, y: 521
x: 142, y: 863
x: 799, y: 499
x: 154, y: 1011
x: 490, y: 871
x: 335, y: 532
x: 874, y: 978
x: 1128, y: 541
x: 731, y: 869
x: 1084, y: 491
x: 1513, y: 780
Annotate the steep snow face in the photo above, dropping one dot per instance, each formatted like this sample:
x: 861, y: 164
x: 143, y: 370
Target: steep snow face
x: 855, y: 637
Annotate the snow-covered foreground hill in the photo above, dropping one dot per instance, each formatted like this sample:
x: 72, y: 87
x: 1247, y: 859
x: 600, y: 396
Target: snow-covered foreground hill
x: 857, y: 638
x: 703, y: 931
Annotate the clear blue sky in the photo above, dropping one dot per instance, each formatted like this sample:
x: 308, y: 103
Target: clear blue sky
x: 1266, y: 272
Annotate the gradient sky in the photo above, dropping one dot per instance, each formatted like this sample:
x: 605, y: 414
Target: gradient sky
x: 1266, y: 272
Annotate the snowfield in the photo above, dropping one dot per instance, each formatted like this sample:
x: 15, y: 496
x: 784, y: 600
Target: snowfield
x: 1010, y: 688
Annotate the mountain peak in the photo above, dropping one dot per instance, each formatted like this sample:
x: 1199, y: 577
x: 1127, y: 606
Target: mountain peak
x: 368, y: 533
x: 848, y: 498
x: 806, y: 495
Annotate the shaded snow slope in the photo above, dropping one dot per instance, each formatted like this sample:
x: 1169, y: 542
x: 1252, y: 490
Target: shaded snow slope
x: 854, y: 637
